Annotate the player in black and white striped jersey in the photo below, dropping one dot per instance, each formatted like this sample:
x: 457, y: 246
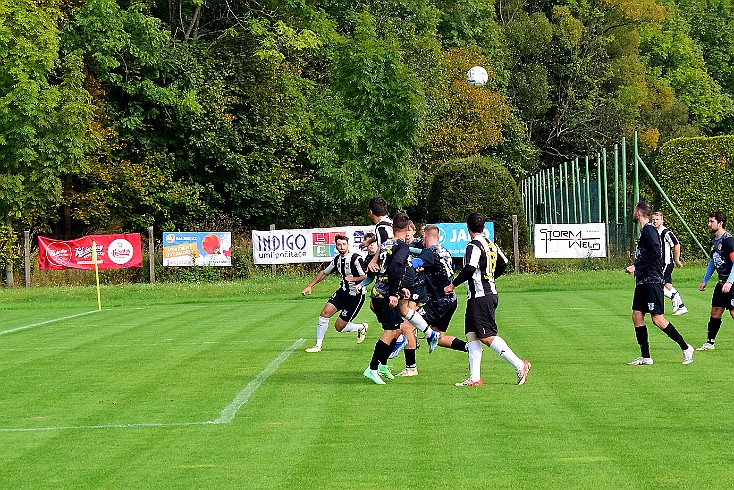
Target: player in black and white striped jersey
x: 483, y: 263
x: 383, y: 228
x: 671, y: 258
x: 346, y: 299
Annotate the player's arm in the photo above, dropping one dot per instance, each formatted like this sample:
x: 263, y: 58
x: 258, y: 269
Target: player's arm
x: 710, y: 268
x: 726, y: 287
x: 676, y: 255
x: 319, y: 277
x: 467, y: 271
x: 367, y: 242
x: 501, y: 265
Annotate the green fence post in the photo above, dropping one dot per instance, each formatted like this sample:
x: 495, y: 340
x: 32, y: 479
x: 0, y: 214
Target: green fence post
x: 555, y: 199
x: 588, y: 189
x: 598, y: 184
x: 578, y: 191
x: 565, y: 181
x: 636, y: 188
x: 573, y: 192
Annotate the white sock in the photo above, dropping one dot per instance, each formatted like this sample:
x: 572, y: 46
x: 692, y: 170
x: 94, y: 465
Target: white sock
x: 321, y: 329
x: 475, y: 359
x: 669, y: 292
x: 501, y: 348
x: 351, y: 327
x: 418, y: 322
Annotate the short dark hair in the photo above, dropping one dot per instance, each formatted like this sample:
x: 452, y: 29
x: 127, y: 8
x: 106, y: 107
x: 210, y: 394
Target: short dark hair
x: 369, y: 235
x: 644, y: 208
x: 401, y: 221
x: 340, y: 237
x: 718, y: 216
x: 432, y: 229
x: 475, y: 222
x: 378, y: 206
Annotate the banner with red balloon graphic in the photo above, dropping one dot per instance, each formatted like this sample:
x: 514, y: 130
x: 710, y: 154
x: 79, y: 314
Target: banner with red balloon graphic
x: 189, y: 248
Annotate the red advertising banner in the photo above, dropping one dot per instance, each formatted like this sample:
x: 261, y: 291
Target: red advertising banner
x: 113, y: 252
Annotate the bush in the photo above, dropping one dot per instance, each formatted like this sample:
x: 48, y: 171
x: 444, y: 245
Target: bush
x: 478, y: 184
x: 698, y: 177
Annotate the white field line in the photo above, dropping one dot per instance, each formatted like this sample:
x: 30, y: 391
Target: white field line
x: 47, y: 322
x: 226, y: 416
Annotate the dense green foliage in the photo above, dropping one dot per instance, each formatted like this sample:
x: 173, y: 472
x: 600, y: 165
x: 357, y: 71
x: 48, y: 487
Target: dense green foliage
x: 479, y: 184
x: 119, y: 114
x: 698, y: 176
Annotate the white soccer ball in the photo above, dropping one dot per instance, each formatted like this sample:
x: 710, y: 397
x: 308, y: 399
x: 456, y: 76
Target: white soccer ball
x: 477, y: 75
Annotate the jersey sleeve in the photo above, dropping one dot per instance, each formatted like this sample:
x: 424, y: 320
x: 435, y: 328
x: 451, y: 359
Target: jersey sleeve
x: 357, y: 265
x: 331, y: 267
x: 673, y: 239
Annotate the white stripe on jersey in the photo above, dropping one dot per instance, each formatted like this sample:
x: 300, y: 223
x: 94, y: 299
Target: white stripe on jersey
x: 669, y: 241
x: 350, y: 265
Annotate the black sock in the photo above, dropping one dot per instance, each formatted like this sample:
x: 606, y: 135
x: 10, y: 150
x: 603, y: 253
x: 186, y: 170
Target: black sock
x: 381, y: 349
x: 714, y: 326
x: 641, y: 334
x: 458, y: 344
x: 409, y: 357
x: 671, y: 332
x: 385, y: 353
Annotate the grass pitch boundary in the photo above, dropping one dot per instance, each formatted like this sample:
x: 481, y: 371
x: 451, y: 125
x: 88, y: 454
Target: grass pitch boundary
x: 46, y: 322
x: 226, y: 415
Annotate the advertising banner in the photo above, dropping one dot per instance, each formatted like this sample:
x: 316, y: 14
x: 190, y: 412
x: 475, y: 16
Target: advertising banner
x: 303, y: 245
x: 454, y: 237
x: 567, y: 241
x: 117, y: 251
x: 190, y: 248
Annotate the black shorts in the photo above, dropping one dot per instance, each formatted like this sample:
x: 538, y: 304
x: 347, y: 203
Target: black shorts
x: 388, y: 316
x: 648, y: 298
x: 721, y: 299
x: 479, y: 316
x: 348, y: 304
x: 438, y: 312
x: 668, y: 273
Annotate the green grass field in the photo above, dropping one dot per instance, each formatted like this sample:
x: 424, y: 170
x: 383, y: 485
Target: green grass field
x: 192, y: 386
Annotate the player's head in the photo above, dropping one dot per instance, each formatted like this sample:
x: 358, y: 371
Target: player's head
x: 411, y: 231
x: 342, y: 244
x: 657, y: 219
x: 378, y: 206
x: 372, y: 247
x: 401, y: 222
x: 430, y: 235
x: 475, y: 222
x: 643, y: 210
x: 717, y: 221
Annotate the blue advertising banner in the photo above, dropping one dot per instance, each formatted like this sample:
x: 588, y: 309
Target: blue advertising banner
x: 454, y: 237
x: 189, y: 248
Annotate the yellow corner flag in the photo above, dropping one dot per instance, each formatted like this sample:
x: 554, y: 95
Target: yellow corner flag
x: 96, y: 273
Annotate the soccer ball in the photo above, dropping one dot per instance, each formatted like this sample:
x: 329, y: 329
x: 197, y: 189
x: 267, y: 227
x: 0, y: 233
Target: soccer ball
x: 477, y: 75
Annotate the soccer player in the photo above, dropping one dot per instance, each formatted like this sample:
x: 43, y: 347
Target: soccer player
x: 722, y: 257
x: 392, y: 284
x: 383, y: 228
x: 483, y: 263
x: 440, y: 306
x: 350, y: 266
x: 648, y: 297
x: 671, y: 256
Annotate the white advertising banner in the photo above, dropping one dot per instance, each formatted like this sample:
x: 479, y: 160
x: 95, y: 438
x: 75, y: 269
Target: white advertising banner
x: 303, y: 245
x: 567, y: 241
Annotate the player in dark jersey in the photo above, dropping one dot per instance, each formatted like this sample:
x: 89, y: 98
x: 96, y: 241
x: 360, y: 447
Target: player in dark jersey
x: 437, y: 268
x: 346, y: 299
x: 722, y: 257
x: 483, y: 263
x: 393, y: 283
x: 671, y: 258
x: 648, y: 298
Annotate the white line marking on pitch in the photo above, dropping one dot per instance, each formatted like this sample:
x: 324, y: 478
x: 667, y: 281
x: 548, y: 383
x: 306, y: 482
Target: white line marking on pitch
x: 47, y: 322
x: 226, y: 416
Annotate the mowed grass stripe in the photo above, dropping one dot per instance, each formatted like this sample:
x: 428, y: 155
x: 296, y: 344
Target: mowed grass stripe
x: 155, y: 379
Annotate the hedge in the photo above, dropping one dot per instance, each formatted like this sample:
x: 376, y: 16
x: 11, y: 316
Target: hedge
x: 697, y: 174
x: 478, y: 184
